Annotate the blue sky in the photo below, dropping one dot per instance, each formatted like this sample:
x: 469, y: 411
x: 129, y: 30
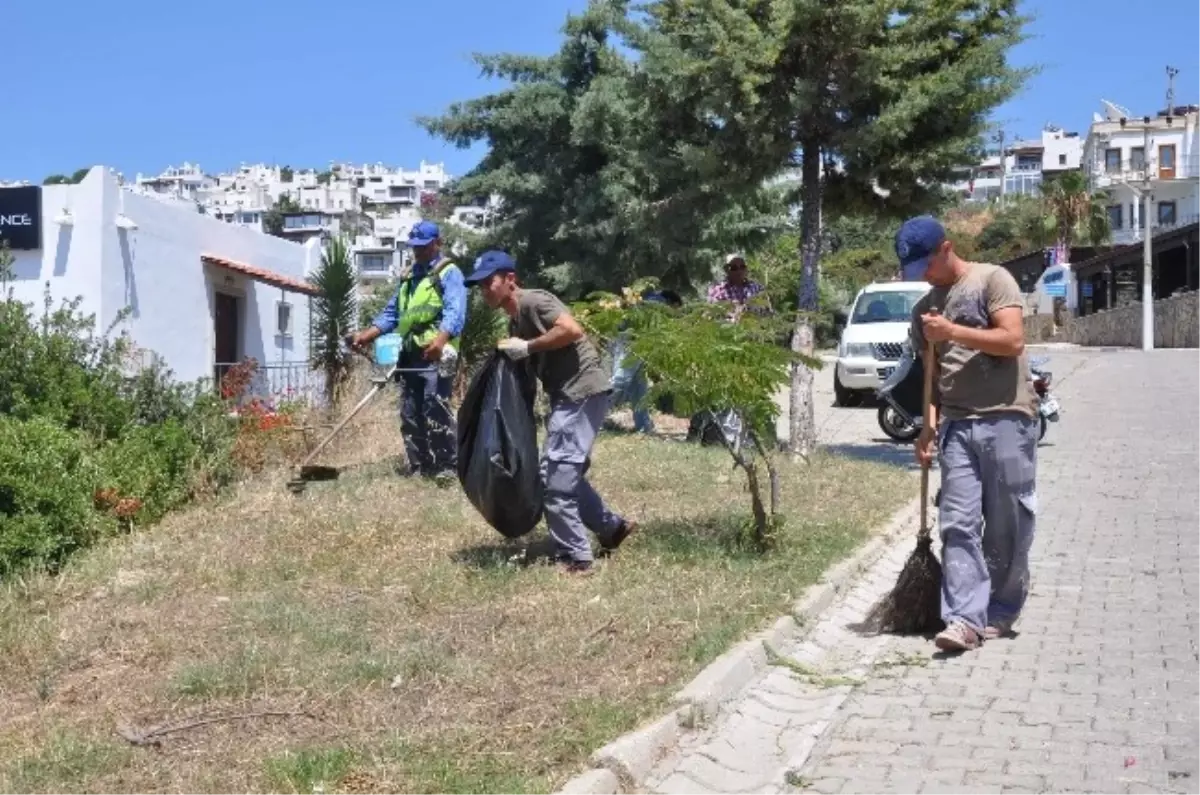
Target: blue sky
x: 142, y: 84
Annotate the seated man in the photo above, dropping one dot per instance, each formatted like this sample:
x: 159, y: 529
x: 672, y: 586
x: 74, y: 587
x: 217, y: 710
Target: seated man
x: 738, y: 288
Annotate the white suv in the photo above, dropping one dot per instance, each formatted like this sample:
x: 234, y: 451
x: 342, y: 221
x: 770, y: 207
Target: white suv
x: 873, y: 338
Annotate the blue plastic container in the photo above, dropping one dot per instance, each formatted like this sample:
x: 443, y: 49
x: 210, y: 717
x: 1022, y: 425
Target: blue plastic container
x: 387, y: 349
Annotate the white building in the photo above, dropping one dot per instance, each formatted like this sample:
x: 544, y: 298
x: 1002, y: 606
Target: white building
x: 375, y: 204
x: 1019, y: 169
x: 201, y: 294
x: 1126, y: 155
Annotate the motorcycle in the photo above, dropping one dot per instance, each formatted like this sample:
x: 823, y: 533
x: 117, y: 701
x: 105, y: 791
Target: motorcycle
x: 901, y: 393
x: 1049, y: 409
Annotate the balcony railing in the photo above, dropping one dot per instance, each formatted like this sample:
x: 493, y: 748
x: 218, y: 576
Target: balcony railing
x: 1128, y: 233
x: 1134, y: 169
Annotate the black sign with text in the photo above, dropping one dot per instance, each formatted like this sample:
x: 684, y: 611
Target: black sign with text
x: 21, y: 217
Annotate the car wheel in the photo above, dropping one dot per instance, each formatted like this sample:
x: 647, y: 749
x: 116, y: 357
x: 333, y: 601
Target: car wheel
x: 843, y: 396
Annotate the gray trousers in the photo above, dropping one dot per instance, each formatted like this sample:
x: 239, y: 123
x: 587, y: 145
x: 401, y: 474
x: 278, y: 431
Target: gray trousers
x: 572, y: 506
x: 987, y: 514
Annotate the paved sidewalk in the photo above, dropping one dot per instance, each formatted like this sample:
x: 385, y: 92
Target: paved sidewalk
x: 1098, y: 693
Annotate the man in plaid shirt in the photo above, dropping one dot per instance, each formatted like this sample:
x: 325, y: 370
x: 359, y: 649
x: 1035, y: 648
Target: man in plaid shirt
x: 737, y: 289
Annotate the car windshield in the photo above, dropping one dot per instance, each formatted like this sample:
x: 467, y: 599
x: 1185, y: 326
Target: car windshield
x: 885, y: 307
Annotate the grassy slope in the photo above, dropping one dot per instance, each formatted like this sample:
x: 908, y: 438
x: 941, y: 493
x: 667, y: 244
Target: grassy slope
x: 430, y: 660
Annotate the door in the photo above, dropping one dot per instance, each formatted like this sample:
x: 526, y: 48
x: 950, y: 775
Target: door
x: 1166, y: 161
x: 225, y: 328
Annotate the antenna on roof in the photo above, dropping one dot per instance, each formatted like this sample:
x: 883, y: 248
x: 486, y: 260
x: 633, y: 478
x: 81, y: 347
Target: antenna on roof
x: 1171, y: 72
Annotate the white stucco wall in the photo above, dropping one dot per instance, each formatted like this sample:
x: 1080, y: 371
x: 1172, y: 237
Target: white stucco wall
x: 156, y: 271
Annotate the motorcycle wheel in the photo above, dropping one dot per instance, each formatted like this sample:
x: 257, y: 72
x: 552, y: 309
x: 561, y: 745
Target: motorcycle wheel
x: 891, y: 423
x: 1042, y: 425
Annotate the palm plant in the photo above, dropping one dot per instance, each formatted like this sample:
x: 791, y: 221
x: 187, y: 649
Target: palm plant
x: 332, y: 317
x: 1073, y: 213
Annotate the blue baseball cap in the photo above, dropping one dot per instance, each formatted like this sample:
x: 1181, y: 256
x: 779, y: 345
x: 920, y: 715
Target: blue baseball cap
x: 491, y: 262
x: 917, y: 241
x: 423, y: 233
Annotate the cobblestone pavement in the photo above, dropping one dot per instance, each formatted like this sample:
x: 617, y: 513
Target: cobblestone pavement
x: 1099, y: 690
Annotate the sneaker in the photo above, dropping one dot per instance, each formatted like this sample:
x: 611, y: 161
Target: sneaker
x: 576, y: 568
x: 957, y: 637
x: 623, y: 531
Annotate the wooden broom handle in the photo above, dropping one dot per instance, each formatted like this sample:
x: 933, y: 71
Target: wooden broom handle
x: 927, y: 422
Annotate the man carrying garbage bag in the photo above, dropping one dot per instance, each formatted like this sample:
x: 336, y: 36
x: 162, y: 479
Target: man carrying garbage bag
x: 544, y: 334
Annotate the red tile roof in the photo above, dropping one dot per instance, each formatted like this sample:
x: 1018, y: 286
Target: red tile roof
x: 262, y: 275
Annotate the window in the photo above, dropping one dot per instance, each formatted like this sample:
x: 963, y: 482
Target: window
x: 1112, y: 161
x: 885, y: 307
x: 1116, y: 216
x: 1062, y: 160
x: 1166, y: 161
x: 373, y: 263
x: 283, y: 319
x: 1137, y: 158
x: 1166, y: 213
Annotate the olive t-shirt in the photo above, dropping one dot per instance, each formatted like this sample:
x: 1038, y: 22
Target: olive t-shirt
x: 972, y: 384
x: 571, y: 373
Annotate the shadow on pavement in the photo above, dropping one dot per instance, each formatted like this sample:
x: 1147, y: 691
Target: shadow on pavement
x: 882, y: 452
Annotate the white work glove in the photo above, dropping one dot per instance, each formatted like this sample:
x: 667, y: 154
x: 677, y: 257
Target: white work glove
x: 513, y: 347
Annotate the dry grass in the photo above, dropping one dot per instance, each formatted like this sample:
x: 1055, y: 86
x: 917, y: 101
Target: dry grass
x: 429, y: 659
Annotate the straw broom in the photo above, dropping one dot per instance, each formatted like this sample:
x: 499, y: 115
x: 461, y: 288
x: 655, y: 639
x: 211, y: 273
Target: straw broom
x: 914, y: 605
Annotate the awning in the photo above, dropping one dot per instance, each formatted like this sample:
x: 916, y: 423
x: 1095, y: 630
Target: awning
x: 262, y: 275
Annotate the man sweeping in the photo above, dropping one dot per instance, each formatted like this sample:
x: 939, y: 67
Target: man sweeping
x: 986, y: 431
x: 428, y: 310
x: 568, y: 365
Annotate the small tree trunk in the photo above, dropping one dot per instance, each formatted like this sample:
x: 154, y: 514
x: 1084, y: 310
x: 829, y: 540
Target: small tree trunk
x: 756, y: 505
x: 802, y: 429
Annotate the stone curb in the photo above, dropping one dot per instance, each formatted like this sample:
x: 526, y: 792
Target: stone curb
x: 623, y: 764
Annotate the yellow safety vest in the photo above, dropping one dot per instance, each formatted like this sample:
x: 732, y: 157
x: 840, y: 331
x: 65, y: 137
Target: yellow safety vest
x: 420, y: 308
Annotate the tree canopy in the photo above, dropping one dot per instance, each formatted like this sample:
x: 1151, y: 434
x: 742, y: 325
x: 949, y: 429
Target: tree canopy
x: 584, y: 204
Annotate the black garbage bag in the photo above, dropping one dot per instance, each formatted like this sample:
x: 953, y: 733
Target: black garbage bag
x: 711, y: 428
x: 497, y: 447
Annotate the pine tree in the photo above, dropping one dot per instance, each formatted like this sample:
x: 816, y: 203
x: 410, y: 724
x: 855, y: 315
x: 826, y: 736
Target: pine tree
x: 584, y: 207
x: 876, y: 102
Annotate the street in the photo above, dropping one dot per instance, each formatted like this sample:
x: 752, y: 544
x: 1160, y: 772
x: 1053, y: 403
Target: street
x: 1098, y: 690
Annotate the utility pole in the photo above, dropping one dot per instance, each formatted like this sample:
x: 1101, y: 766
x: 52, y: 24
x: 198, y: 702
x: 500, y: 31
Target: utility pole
x: 999, y: 138
x: 1147, y: 244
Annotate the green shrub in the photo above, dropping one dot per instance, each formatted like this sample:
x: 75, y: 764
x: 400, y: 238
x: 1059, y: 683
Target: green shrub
x: 48, y: 476
x: 86, y: 446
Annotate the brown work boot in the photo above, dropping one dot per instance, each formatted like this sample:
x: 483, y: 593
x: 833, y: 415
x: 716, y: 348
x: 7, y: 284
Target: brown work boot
x: 957, y: 637
x: 575, y: 568
x: 997, y: 629
x: 623, y: 531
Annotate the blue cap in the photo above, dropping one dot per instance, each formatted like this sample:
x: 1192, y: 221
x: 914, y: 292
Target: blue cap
x: 423, y: 233
x: 491, y: 262
x: 917, y: 241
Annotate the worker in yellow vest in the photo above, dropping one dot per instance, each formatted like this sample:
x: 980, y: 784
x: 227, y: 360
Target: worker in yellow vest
x: 428, y: 312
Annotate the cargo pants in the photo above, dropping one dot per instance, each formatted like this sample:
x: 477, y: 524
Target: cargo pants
x: 572, y: 506
x: 987, y: 514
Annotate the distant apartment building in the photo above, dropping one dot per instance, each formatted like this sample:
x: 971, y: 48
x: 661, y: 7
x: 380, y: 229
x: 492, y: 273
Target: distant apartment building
x: 1127, y: 156
x: 1018, y: 167
x: 374, y: 204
